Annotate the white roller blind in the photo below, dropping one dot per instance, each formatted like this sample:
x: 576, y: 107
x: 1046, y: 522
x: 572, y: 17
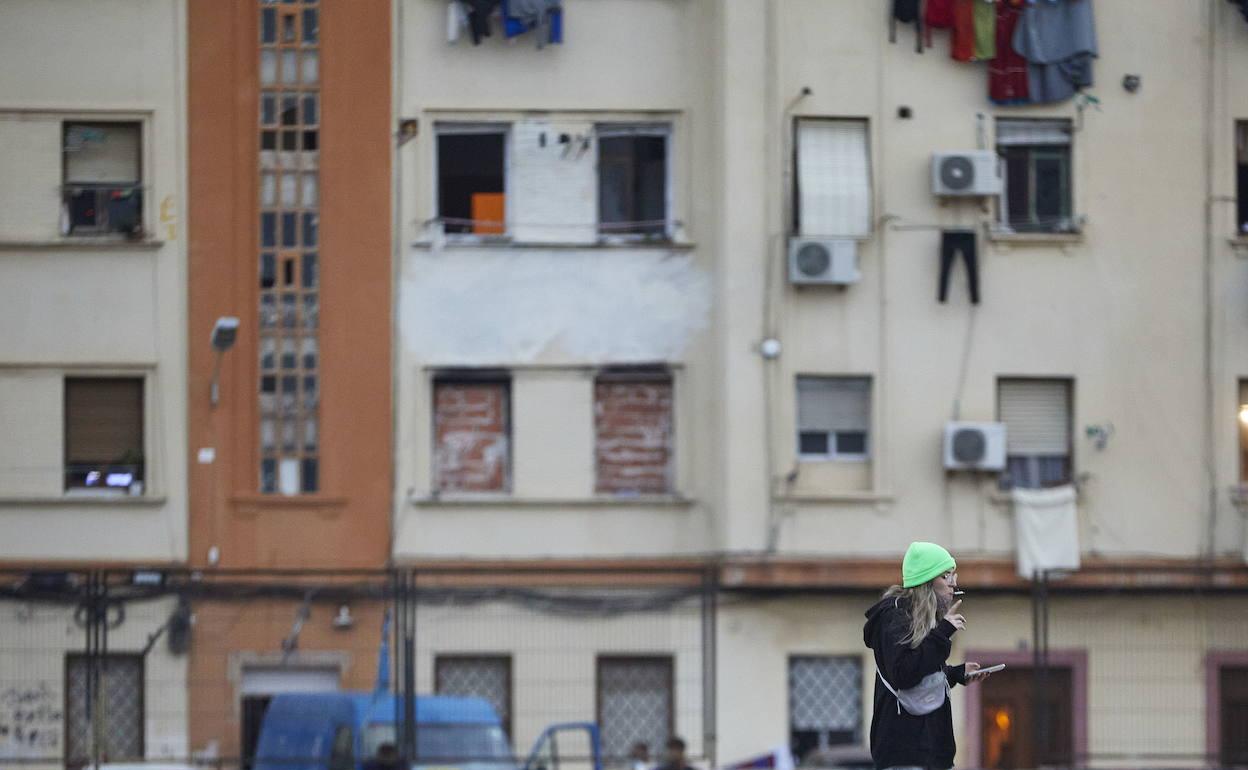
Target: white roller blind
x: 833, y: 403
x: 1033, y: 132
x: 833, y: 178
x: 1037, y: 416
x: 102, y: 153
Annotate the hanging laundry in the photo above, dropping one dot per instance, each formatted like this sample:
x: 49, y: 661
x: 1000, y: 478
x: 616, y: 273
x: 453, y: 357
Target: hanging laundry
x: 456, y: 21
x: 937, y: 14
x: 985, y: 29
x: 1046, y: 529
x: 953, y: 243
x: 1007, y: 72
x: 906, y: 12
x: 962, y: 47
x: 543, y: 16
x: 1243, y: 7
x: 1058, y: 40
x: 479, y: 13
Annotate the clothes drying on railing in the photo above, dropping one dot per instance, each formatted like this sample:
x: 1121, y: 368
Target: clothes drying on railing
x: 1046, y: 528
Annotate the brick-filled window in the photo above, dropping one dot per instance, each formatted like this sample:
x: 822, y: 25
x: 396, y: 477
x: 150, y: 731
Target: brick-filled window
x: 472, y: 434
x: 633, y: 432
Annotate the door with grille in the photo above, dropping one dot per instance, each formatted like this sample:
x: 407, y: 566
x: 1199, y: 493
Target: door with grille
x: 825, y: 702
x: 115, y: 714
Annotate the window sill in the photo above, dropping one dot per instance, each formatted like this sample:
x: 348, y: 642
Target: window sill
x: 87, y: 500
x: 276, y: 500
x: 545, y: 245
x: 1239, y: 244
x: 1034, y: 239
x: 837, y: 497
x: 597, y: 501
x: 86, y: 243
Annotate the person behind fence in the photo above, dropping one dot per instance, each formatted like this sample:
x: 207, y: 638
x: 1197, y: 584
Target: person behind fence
x: 639, y: 756
x: 674, y: 755
x: 911, y: 633
x: 386, y: 758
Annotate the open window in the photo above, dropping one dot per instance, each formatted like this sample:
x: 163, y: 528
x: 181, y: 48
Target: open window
x: 633, y: 189
x: 102, y: 192
x: 472, y: 178
x: 1036, y: 155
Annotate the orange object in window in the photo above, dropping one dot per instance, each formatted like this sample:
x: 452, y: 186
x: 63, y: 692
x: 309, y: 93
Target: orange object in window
x: 487, y: 213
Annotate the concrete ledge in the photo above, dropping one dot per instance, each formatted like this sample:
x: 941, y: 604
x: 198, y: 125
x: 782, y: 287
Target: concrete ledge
x: 814, y: 498
x: 598, y: 501
x: 1035, y: 239
x: 86, y: 500
x: 82, y: 244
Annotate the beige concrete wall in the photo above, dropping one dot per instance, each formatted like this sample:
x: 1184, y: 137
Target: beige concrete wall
x: 90, y: 306
x: 34, y: 642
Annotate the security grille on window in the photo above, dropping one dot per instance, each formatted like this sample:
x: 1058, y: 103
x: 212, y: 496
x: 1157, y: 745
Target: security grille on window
x: 834, y: 418
x: 825, y: 702
x: 1037, y: 421
x: 833, y: 179
x: 632, y: 180
x: 102, y: 191
x: 471, y: 178
x: 1036, y: 157
x: 104, y: 434
x: 480, y: 676
x: 117, y: 707
x: 634, y: 703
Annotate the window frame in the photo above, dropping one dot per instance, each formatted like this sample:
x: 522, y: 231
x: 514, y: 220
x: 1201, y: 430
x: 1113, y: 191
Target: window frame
x: 859, y: 730
x: 1067, y: 221
x: 72, y: 658
x: 834, y: 454
x: 624, y: 659
x: 1005, y: 481
x: 139, y: 186
x: 794, y: 217
x: 652, y: 375
x: 467, y: 128
x: 442, y: 659
x: 615, y: 129
x: 146, y: 427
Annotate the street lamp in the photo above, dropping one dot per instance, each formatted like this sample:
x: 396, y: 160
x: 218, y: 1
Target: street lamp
x: 224, y: 332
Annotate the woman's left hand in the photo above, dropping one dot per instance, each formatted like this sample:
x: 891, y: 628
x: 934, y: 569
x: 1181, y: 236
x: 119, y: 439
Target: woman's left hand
x: 973, y: 674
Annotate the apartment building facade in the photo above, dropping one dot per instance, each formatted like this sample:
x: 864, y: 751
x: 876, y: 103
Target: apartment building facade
x: 93, y: 360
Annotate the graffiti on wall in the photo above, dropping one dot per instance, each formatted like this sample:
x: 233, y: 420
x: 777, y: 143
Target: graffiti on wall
x: 30, y: 721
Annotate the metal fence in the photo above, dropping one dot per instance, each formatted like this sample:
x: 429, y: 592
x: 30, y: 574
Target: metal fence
x: 125, y: 665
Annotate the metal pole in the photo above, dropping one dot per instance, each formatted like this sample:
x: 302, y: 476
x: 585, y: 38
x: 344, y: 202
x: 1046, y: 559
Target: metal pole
x: 409, y: 670
x: 710, y: 602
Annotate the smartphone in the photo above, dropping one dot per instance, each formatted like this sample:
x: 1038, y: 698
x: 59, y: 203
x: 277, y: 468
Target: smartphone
x: 991, y: 669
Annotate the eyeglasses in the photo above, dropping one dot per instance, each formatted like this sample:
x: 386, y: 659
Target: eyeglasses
x: 950, y: 575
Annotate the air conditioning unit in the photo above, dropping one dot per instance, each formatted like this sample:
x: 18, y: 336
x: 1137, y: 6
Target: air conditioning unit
x: 821, y: 261
x: 974, y: 446
x: 974, y: 172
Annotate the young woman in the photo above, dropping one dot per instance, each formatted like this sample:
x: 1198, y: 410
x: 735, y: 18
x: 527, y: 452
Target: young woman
x: 911, y: 632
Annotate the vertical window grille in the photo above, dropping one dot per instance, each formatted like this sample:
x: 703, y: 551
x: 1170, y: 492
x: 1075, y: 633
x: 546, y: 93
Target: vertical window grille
x: 288, y: 249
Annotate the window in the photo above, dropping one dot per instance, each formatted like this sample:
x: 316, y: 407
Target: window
x: 825, y: 702
x: 833, y: 179
x: 472, y: 434
x: 471, y: 179
x: 1036, y: 156
x: 120, y: 707
x: 834, y: 418
x: 1037, y: 419
x: 634, y: 703
x: 633, y: 432
x: 632, y: 180
x: 480, y: 676
x: 101, y: 192
x: 104, y: 434
x: 1241, y: 176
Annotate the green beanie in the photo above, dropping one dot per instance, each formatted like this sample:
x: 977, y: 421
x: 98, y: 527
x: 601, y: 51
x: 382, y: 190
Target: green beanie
x: 924, y: 562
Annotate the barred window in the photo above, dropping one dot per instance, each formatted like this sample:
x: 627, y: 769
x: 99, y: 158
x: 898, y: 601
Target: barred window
x: 825, y: 702
x: 480, y: 676
x: 118, y: 705
x: 635, y: 696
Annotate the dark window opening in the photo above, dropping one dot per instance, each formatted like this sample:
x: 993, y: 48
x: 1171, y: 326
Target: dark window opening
x: 632, y: 185
x: 102, y: 169
x: 471, y: 192
x: 1241, y: 176
x: 104, y: 434
x: 254, y: 707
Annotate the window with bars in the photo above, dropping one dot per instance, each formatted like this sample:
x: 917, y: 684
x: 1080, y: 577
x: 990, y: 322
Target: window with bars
x: 635, y: 703
x: 1037, y: 418
x: 104, y: 434
x: 1036, y: 158
x: 288, y: 247
x: 825, y: 702
x: 114, y: 711
x: 480, y: 676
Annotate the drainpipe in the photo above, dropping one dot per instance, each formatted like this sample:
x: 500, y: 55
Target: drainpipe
x: 1210, y: 448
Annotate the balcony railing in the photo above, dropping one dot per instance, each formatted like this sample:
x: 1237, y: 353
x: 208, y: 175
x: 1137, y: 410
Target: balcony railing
x: 98, y: 209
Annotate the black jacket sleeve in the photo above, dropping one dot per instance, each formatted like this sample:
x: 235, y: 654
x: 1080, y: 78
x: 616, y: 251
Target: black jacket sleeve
x: 956, y: 674
x: 905, y: 666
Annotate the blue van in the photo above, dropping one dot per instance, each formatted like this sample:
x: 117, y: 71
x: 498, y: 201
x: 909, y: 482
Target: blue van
x: 343, y: 730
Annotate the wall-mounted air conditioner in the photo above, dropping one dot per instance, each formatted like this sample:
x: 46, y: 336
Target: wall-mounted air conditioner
x: 815, y: 261
x: 973, y: 172
x: 975, y: 446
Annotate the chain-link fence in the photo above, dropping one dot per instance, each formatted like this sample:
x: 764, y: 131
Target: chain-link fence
x: 199, y: 667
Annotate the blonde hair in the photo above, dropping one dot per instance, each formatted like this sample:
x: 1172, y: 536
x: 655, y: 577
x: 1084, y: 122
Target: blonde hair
x: 922, y: 606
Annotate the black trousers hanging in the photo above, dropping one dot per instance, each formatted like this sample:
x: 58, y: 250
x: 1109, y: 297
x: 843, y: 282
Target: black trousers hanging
x: 952, y: 243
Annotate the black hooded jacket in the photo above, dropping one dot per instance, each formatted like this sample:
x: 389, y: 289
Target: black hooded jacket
x: 906, y: 740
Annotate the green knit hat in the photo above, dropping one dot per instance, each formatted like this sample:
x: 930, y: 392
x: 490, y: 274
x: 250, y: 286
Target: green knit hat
x: 924, y: 562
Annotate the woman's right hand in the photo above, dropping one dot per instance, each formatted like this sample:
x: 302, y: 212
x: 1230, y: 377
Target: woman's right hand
x: 955, y: 617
